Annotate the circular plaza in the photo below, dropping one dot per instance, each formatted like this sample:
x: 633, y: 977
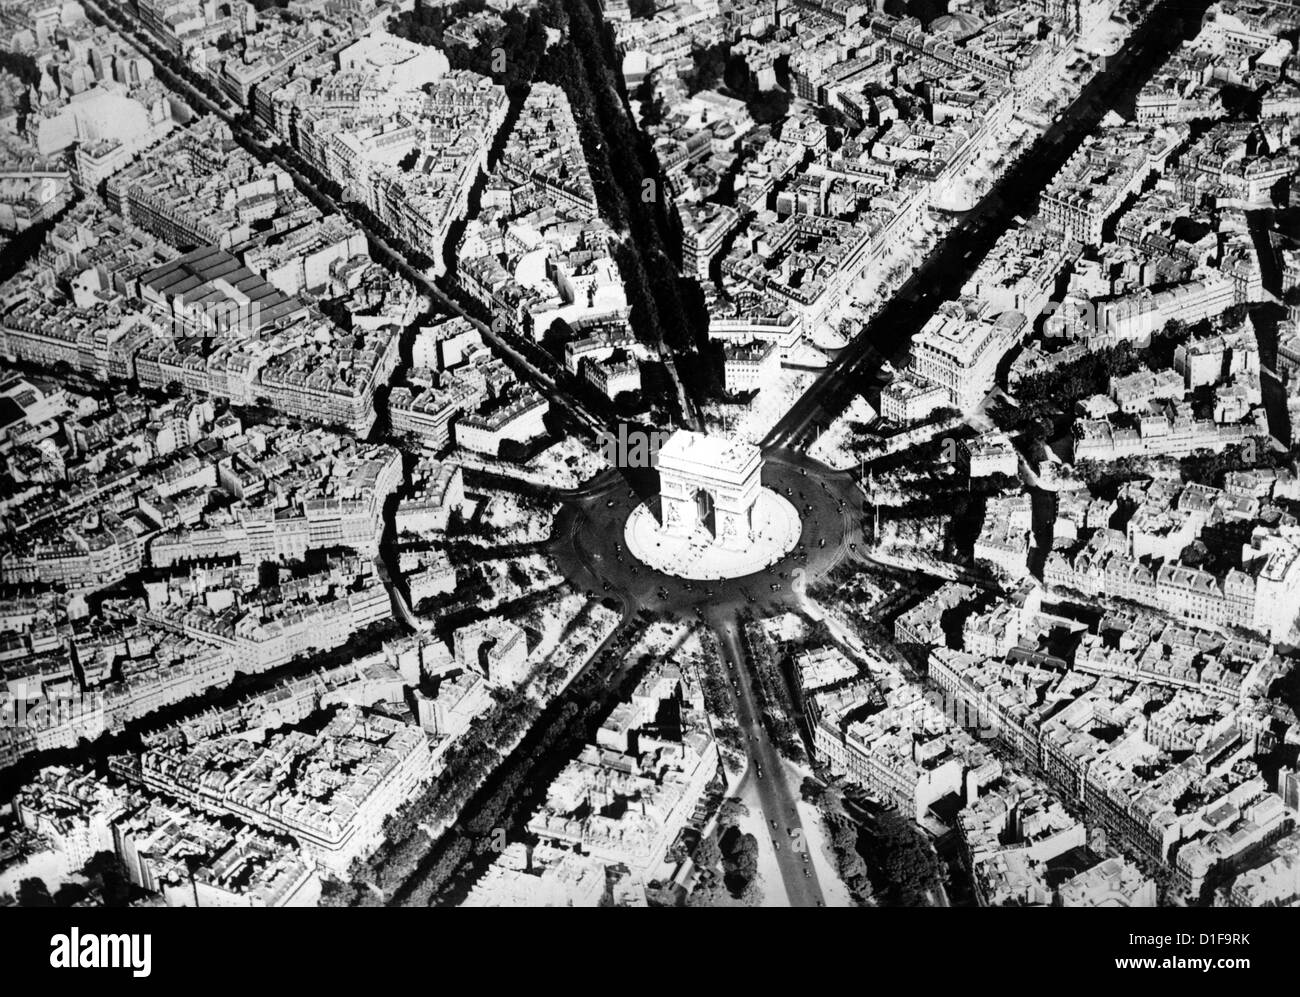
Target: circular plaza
x: 653, y: 539
x: 700, y: 555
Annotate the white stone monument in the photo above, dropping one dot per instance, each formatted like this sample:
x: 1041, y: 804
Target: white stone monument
x: 716, y: 520
x: 710, y: 483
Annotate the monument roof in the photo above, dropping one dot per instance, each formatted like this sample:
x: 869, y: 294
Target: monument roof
x: 716, y: 453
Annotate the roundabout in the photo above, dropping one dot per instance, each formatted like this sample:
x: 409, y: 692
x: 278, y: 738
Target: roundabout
x: 595, y: 552
x: 700, y: 556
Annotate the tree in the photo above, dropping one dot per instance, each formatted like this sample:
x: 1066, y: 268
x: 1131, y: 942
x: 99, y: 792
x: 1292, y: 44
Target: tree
x: 33, y: 892
x: 731, y: 811
x: 106, y: 874
x: 710, y: 65
x: 739, y: 861
x: 708, y: 854
x: 21, y: 65
x: 768, y: 106
x: 334, y: 893
x: 904, y: 861
x: 812, y: 791
x: 849, y: 862
x: 69, y: 894
x: 1234, y: 315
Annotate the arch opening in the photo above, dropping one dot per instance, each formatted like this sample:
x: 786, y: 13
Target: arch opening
x: 704, y: 511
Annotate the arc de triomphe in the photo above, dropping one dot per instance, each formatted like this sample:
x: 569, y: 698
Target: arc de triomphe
x: 709, y: 483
